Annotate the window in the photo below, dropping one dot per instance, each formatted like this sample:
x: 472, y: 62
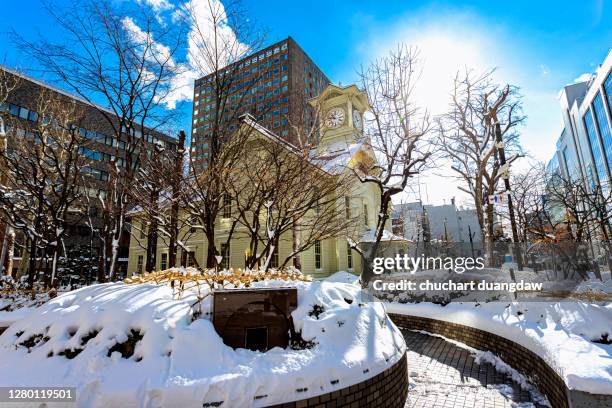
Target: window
x: 608, y: 89
x: 365, y: 214
x: 604, y: 128
x: 347, y: 207
x: 139, y: 264
x: 317, y: 251
x: 225, y: 255
x: 23, y: 113
x: 190, y: 258
x: 284, y: 46
x: 349, y: 256
x: 274, y: 259
x: 164, y: 262
x: 589, y: 124
x: 14, y: 110
x: 142, y: 230
x: 227, y: 206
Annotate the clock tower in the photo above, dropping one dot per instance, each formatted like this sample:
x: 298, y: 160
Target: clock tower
x: 341, y: 114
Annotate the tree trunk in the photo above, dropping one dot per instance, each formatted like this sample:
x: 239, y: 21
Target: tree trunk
x: 176, y: 192
x: 211, y: 250
x: 151, y: 261
x: 32, y: 263
x: 297, y: 261
x: 112, y: 268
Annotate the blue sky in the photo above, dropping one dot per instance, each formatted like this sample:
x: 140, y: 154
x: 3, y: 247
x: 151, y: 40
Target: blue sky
x: 538, y: 45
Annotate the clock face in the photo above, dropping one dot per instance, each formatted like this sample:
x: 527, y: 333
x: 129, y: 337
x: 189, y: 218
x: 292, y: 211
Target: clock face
x: 334, y: 118
x: 357, y: 122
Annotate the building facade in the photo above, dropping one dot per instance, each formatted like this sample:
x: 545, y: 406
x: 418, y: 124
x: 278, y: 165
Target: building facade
x: 341, y: 147
x: 101, y: 148
x: 584, y: 148
x: 273, y: 85
x: 437, y: 222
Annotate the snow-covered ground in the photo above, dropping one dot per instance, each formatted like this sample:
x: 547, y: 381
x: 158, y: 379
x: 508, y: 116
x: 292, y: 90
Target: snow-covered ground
x: 569, y: 335
x: 137, y: 345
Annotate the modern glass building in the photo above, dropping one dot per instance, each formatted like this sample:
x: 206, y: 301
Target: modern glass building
x: 584, y: 148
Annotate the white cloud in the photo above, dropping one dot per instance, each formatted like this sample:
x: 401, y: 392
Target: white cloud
x: 209, y: 25
x: 157, y: 5
x: 202, y: 16
x: 181, y: 86
x: 583, y: 77
x: 544, y: 70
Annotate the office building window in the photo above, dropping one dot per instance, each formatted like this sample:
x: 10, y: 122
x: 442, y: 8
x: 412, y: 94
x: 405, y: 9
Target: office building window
x: 225, y: 256
x: 164, y: 262
x: 365, y: 214
x: 139, y: 264
x: 608, y: 89
x: 317, y: 251
x: 566, y: 165
x: 604, y: 127
x: 589, y: 124
x: 349, y: 256
x: 23, y: 113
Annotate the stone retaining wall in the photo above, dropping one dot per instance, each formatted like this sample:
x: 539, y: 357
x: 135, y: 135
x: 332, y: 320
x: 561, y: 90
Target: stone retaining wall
x: 518, y: 357
x: 388, y: 389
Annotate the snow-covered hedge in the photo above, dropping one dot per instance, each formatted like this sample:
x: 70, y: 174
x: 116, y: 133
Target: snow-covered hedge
x: 137, y: 345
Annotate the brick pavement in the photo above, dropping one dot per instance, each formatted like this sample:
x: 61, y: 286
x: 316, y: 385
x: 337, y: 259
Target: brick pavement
x: 443, y: 375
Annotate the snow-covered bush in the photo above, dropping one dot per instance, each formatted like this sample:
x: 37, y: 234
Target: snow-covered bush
x: 137, y: 344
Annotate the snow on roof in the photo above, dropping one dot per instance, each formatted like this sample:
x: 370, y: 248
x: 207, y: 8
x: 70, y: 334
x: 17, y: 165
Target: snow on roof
x: 370, y: 236
x: 250, y: 121
x: 333, y: 161
x: 73, y: 340
x: 337, y: 157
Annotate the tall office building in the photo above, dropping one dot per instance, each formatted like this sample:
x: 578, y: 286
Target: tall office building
x: 272, y: 84
x: 584, y: 148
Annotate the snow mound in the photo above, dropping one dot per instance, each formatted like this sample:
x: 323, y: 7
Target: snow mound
x: 572, y: 337
x: 125, y: 345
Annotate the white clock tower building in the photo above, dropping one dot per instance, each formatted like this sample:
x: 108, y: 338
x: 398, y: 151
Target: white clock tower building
x: 341, y: 111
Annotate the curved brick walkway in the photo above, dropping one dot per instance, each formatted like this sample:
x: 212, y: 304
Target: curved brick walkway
x: 443, y: 375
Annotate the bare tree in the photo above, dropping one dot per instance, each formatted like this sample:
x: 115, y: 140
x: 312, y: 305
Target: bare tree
x: 480, y: 113
x: 279, y: 190
x: 220, y: 36
x: 124, y: 67
x: 529, y: 198
x: 398, y: 132
x: 158, y: 195
x: 45, y: 180
x: 8, y: 83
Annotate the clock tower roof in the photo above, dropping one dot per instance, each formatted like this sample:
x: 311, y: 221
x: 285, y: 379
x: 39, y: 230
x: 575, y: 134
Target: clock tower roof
x: 333, y: 91
x: 341, y: 112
